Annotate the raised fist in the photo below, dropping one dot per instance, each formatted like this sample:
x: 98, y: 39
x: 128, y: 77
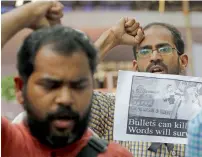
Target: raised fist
x: 128, y: 32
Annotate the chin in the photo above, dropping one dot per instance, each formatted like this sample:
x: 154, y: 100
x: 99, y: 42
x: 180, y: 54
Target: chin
x: 53, y: 137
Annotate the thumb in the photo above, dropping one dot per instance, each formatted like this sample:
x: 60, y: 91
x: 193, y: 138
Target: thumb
x: 139, y: 37
x: 122, y: 21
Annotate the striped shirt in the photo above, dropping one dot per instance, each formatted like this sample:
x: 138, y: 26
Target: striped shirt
x: 102, y: 118
x: 194, y: 147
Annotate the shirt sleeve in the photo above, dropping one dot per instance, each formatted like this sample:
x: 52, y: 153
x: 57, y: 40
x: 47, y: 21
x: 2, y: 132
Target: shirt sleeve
x: 195, y: 137
x: 6, y: 130
x: 102, y: 114
x: 9, y: 136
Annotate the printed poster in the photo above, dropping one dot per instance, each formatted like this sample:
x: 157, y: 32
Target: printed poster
x: 155, y: 107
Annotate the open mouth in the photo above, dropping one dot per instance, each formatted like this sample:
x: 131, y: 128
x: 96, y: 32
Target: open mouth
x: 157, y: 69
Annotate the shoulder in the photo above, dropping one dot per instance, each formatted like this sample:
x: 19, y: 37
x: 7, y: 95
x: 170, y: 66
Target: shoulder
x: 102, y: 103
x: 100, y: 95
x: 102, y: 112
x: 5, y: 125
x: 103, y: 99
x: 116, y: 150
x: 12, y: 135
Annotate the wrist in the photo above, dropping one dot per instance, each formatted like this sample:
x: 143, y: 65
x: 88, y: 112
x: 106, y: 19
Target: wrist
x: 112, y: 39
x: 106, y: 41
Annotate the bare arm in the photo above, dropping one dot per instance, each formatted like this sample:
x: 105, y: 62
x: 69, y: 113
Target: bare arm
x: 125, y: 32
x: 105, y: 43
x: 11, y: 24
x: 30, y: 14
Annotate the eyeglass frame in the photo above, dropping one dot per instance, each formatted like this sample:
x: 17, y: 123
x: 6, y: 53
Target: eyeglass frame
x: 137, y: 53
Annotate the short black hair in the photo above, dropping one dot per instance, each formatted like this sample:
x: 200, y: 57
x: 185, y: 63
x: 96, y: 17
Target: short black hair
x: 65, y: 41
x: 177, y: 38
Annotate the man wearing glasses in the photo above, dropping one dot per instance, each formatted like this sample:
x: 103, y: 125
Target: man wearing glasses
x: 161, y: 52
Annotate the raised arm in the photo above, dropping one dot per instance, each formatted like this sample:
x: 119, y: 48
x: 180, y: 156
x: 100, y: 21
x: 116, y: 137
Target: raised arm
x: 125, y: 32
x: 30, y: 15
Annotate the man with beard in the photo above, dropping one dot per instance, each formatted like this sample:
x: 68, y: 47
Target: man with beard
x: 160, y: 52
x: 55, y: 84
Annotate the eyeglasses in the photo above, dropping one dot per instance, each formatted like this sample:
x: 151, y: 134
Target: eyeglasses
x: 164, y: 50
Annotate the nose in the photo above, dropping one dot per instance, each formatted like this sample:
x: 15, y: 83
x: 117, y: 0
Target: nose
x: 156, y: 57
x: 65, y: 97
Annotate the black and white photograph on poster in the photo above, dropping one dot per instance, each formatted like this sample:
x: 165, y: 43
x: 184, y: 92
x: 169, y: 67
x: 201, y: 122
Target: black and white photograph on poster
x: 155, y: 108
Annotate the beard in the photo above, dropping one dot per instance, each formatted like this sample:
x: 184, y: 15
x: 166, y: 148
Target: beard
x: 41, y: 128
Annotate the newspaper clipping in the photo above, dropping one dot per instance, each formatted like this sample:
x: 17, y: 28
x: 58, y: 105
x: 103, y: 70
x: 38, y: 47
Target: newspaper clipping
x: 155, y: 108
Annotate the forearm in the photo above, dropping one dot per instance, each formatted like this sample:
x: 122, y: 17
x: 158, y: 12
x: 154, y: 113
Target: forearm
x: 105, y: 43
x: 22, y: 17
x: 14, y: 21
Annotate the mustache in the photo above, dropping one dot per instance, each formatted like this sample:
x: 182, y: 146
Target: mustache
x: 63, y: 113
x: 156, y: 64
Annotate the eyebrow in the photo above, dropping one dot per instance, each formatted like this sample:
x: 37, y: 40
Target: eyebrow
x: 162, y: 44
x: 80, y: 80
x: 45, y: 79
x: 145, y: 47
x: 157, y: 46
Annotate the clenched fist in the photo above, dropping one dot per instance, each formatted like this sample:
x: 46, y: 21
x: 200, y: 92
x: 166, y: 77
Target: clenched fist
x: 47, y: 13
x: 127, y: 32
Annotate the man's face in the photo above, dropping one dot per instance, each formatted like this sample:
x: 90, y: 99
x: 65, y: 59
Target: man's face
x: 58, y: 96
x: 158, y: 38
